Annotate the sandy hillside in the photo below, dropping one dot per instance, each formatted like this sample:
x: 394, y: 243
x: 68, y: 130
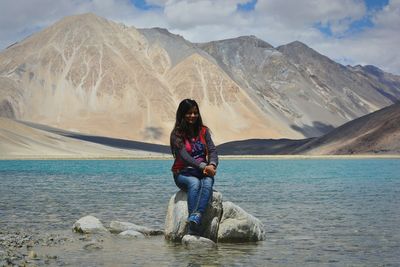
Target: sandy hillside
x: 18, y: 140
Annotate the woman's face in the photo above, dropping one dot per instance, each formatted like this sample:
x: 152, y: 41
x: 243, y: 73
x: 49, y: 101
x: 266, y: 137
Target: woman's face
x: 192, y: 115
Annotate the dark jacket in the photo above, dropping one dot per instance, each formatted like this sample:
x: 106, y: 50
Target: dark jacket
x: 182, y: 156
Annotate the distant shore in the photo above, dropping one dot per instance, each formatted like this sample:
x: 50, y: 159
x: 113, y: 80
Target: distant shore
x: 85, y: 157
x: 366, y: 156
x: 169, y: 157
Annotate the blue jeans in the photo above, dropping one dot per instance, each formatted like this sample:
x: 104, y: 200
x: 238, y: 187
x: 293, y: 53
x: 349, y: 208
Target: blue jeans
x: 199, y: 191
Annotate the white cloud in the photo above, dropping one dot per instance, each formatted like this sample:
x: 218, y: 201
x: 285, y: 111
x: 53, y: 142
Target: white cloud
x: 306, y: 13
x: 189, y: 13
x: 377, y: 46
x: 157, y: 2
x: 19, y: 18
x: 389, y: 17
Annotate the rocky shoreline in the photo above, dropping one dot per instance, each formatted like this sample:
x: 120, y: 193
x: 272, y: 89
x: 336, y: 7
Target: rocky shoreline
x: 17, y: 248
x: 223, y: 222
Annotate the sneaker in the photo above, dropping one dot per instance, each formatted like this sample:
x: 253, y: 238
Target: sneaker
x: 194, y: 218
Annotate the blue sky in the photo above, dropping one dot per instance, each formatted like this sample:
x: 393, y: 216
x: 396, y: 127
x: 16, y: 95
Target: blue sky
x: 249, y: 6
x: 355, y: 27
x: 360, y: 24
x: 143, y: 5
x: 348, y: 31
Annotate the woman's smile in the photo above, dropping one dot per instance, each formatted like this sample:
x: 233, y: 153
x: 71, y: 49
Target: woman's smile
x: 192, y: 115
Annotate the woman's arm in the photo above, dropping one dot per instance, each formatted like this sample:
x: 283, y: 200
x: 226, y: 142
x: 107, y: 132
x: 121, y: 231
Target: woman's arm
x: 212, y: 150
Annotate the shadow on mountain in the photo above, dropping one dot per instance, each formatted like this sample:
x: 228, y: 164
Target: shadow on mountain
x: 261, y: 147
x: 121, y: 143
x: 107, y: 141
x: 153, y: 132
x: 317, y: 129
x: 7, y: 110
x: 377, y: 132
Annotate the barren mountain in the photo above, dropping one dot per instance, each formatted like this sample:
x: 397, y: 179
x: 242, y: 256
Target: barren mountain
x: 301, y: 87
x: 385, y: 83
x: 90, y: 75
x: 95, y: 76
x: 375, y: 133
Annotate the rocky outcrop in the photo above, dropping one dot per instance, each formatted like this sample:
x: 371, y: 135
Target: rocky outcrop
x: 175, y: 224
x: 236, y: 225
x: 222, y: 221
x: 89, y: 225
x: 196, y: 242
x: 118, y: 227
x: 92, y: 225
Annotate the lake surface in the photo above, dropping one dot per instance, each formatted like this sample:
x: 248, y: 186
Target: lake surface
x: 316, y: 212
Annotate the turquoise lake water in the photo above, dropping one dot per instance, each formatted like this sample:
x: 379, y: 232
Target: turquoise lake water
x: 316, y: 212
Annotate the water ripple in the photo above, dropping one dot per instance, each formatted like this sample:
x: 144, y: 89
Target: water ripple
x: 315, y: 212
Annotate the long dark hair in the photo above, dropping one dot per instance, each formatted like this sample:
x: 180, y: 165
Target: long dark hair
x: 181, y: 126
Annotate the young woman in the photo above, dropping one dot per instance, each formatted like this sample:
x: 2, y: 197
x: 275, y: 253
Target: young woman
x: 196, y: 160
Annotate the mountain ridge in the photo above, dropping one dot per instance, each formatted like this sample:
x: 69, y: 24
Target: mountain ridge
x: 377, y: 133
x: 98, y: 77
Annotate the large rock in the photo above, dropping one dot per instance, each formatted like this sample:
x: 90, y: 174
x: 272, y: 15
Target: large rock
x: 222, y: 222
x: 197, y: 242
x: 89, y: 225
x: 118, y: 227
x: 176, y: 220
x: 131, y: 234
x: 236, y: 225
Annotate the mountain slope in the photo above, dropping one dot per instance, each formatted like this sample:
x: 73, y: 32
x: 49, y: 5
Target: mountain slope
x: 378, y: 132
x: 360, y: 93
x: 85, y: 73
x: 21, y: 140
x: 294, y: 83
x: 375, y: 133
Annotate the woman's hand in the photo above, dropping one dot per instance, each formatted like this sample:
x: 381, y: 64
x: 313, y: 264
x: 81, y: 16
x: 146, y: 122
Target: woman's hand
x: 210, y: 170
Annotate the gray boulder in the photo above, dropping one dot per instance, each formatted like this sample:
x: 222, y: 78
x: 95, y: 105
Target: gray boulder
x: 118, y: 227
x: 131, y: 234
x: 89, y: 225
x: 236, y: 225
x: 197, y: 242
x: 176, y: 220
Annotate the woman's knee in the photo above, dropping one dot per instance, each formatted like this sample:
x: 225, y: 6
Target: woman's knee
x: 194, y: 183
x: 188, y: 181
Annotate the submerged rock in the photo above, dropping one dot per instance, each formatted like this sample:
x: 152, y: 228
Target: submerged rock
x: 236, y: 225
x: 131, y: 234
x: 92, y: 246
x: 176, y: 220
x: 118, y: 227
x: 195, y: 242
x: 89, y: 225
